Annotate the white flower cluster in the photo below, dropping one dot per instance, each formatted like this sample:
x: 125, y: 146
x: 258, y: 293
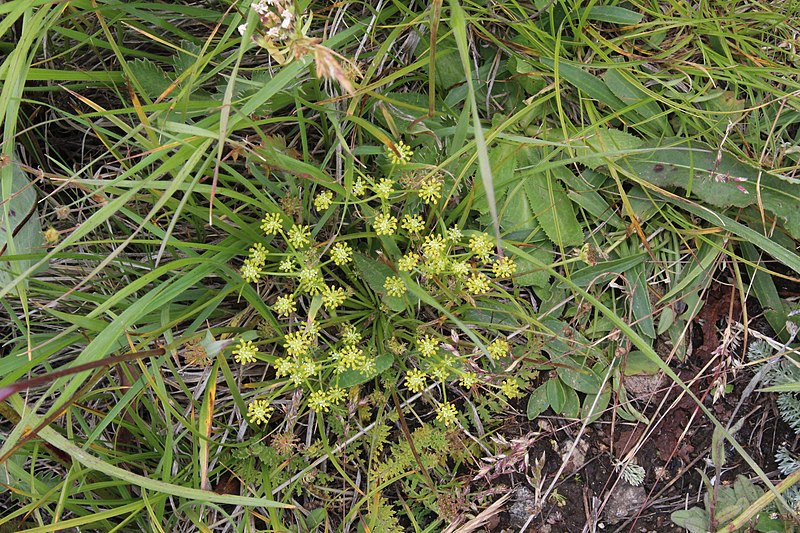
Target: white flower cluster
x: 277, y: 16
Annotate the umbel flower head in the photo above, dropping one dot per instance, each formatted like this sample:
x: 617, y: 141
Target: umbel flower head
x: 277, y: 17
x: 284, y: 37
x: 401, y: 153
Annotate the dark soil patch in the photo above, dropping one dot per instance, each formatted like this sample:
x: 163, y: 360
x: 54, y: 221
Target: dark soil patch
x: 670, y: 453
x: 592, y: 495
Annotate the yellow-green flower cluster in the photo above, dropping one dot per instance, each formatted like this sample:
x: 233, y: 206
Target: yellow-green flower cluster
x: 433, y: 246
x: 413, y: 224
x: 286, y: 265
x: 349, y: 357
x: 299, y: 369
x: 271, y: 224
x: 430, y: 190
x: 415, y: 380
x: 321, y: 401
x: 510, y: 388
x: 504, y: 267
x: 498, y: 348
x: 401, y: 153
x: 311, y: 281
x: 394, y: 286
x: 258, y: 253
x: 427, y: 345
x: 478, y: 283
x: 284, y: 305
x: 333, y: 297
x: 460, y: 268
x: 408, y: 262
x: 323, y: 200
x: 447, y: 414
x: 297, y: 343
x: 259, y: 412
x: 385, y: 224
x: 454, y: 234
x: 383, y: 189
x: 350, y: 334
x: 358, y: 189
x: 468, y: 380
x: 482, y: 246
x: 250, y: 271
x: 252, y: 267
x: 341, y: 253
x: 299, y: 236
x: 245, y: 352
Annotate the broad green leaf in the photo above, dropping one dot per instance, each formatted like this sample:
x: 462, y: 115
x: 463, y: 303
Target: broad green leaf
x: 572, y: 404
x: 694, y: 520
x: 552, y: 207
x: 614, y: 15
x: 375, y: 274
x: 537, y: 402
x: 637, y: 364
x: 603, y: 145
x: 597, y: 273
x: 587, y: 83
x: 629, y: 90
x: 595, y: 404
x: 725, y: 184
x: 530, y: 274
x: 525, y: 74
x: 492, y: 312
x: 556, y: 395
x: 577, y: 376
x: 448, y: 69
x: 583, y: 190
x: 764, y: 289
x: 152, y: 79
x: 641, y: 305
x: 665, y: 320
x: 20, y: 228
x: 351, y: 378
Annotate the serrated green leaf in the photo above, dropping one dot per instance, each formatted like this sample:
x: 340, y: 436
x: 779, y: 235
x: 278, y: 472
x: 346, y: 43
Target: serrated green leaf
x: 530, y: 275
x: 537, y: 402
x: 552, y: 207
x: 186, y: 56
x: 150, y: 77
